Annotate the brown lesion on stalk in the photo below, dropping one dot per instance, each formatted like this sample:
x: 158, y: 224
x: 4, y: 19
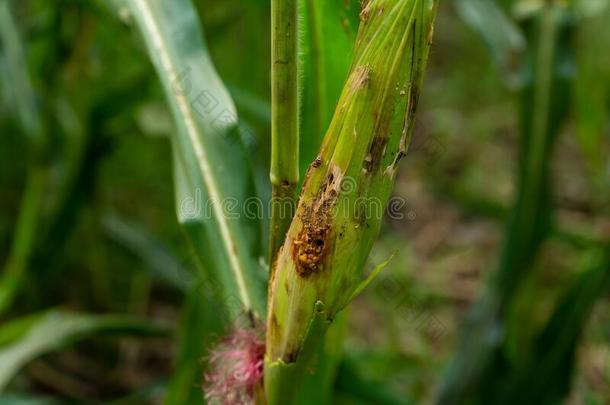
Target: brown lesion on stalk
x: 360, y: 78
x: 288, y: 185
x: 412, y: 107
x: 409, y: 120
x: 377, y: 148
x: 312, y: 244
x: 365, y: 6
x: 376, y: 151
x: 406, y: 130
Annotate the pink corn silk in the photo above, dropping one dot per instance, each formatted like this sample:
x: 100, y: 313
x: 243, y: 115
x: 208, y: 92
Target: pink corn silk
x: 235, y: 367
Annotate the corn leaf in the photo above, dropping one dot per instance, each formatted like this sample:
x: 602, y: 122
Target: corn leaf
x: 592, y: 95
x: 212, y: 171
x: 152, y: 252
x: 17, y: 86
x: 18, y: 399
x: 350, y: 382
x: 503, y: 38
x: 25, y: 340
x: 490, y: 340
x: 546, y: 377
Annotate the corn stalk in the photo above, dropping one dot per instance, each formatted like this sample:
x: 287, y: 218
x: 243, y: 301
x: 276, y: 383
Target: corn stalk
x: 284, y: 120
x: 319, y: 268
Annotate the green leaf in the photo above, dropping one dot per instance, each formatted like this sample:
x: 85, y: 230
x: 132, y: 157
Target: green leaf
x: 545, y: 378
x: 17, y: 84
x: 366, y: 282
x: 501, y: 35
x: 18, y: 87
x: 151, y: 251
x: 251, y: 104
x: 24, y: 239
x: 544, y: 105
x: 19, y: 399
x: 350, y: 381
x: 212, y: 170
x: 592, y: 95
x: 489, y: 339
x: 55, y: 330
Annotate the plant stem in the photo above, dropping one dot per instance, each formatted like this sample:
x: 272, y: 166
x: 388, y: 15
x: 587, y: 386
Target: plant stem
x: 284, y: 173
x: 319, y: 269
x: 318, y: 76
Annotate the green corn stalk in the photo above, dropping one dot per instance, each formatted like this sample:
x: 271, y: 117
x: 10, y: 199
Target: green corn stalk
x: 319, y: 267
x: 284, y: 122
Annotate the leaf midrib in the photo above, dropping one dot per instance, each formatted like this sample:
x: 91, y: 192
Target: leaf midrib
x: 200, y: 153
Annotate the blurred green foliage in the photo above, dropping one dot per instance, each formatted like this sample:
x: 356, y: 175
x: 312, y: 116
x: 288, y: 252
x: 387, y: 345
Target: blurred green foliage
x: 512, y: 144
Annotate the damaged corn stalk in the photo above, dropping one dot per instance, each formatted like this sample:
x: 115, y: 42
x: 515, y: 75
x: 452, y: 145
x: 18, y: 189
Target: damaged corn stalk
x: 319, y: 268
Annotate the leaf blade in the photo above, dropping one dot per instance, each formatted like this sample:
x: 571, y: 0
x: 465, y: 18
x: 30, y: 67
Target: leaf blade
x: 54, y: 330
x: 207, y: 135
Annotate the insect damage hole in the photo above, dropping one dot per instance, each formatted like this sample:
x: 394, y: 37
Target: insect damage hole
x: 310, y: 247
